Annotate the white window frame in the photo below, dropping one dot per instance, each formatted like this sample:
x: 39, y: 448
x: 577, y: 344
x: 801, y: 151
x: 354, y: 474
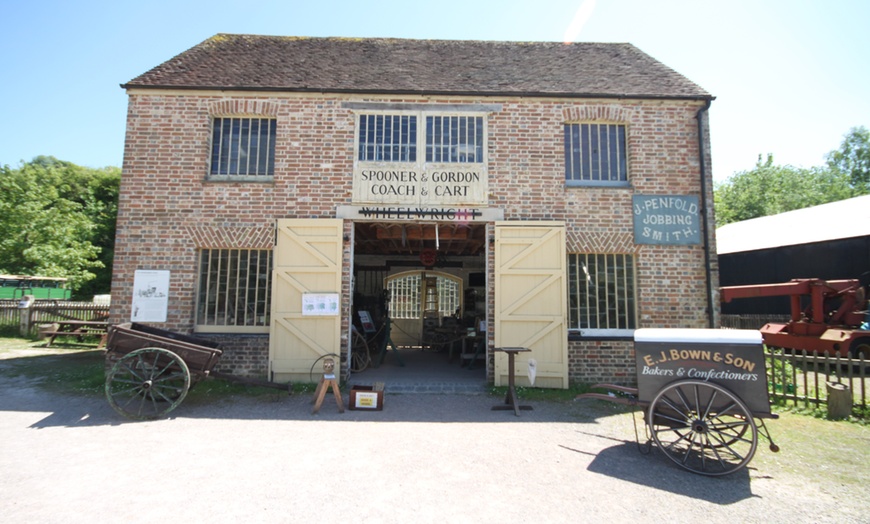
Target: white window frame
x: 405, y: 292
x: 231, y: 298
x: 602, y: 294
x: 600, y: 159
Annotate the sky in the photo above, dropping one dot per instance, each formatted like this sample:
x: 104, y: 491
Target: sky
x: 790, y: 77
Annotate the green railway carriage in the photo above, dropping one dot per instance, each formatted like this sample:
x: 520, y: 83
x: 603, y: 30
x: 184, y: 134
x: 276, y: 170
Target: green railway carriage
x: 17, y: 286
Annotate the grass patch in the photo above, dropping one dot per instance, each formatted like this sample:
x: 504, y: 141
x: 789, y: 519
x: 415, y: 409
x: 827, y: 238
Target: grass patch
x: 543, y: 394
x: 80, y: 368
x: 860, y: 416
x: 9, y: 331
x: 78, y: 371
x: 215, y: 388
x: 829, y: 452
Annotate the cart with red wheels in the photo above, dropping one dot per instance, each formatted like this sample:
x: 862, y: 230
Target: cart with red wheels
x: 704, y: 396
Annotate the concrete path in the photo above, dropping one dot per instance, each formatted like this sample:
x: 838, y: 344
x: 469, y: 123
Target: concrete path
x: 424, y: 458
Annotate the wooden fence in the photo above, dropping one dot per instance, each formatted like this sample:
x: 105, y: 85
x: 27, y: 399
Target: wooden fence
x: 9, y: 313
x: 46, y: 312
x: 802, y: 379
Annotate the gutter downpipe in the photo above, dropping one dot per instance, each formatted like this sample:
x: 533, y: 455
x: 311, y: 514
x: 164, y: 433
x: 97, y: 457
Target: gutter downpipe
x: 704, y: 216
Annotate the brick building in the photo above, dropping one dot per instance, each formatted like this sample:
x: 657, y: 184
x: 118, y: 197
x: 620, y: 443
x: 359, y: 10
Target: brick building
x: 275, y: 187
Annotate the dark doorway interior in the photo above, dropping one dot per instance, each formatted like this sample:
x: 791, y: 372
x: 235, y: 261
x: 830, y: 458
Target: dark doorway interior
x: 428, y: 354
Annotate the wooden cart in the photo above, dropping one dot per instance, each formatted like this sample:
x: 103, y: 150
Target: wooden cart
x: 150, y: 370
x: 704, y: 396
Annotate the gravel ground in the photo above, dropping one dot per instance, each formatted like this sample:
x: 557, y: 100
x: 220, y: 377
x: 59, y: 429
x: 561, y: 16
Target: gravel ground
x: 424, y: 458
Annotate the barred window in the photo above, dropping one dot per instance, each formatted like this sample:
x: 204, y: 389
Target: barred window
x: 234, y: 290
x: 243, y: 146
x: 601, y: 294
x: 388, y: 138
x: 455, y: 139
x: 404, y: 296
x: 405, y: 291
x: 595, y: 154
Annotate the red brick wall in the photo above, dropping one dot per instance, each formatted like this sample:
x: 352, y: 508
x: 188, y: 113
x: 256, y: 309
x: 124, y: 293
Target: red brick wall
x: 168, y: 209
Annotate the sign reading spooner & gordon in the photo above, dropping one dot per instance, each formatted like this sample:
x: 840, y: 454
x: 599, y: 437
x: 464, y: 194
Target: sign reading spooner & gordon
x: 453, y: 185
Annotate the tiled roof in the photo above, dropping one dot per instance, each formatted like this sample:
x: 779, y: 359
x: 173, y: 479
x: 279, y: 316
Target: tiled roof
x: 386, y: 65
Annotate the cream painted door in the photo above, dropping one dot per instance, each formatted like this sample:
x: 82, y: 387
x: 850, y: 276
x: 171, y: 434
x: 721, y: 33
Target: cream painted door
x: 531, y: 301
x: 307, y: 259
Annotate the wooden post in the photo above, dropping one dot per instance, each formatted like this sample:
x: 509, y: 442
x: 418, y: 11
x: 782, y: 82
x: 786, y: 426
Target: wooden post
x: 24, y: 314
x: 839, y: 400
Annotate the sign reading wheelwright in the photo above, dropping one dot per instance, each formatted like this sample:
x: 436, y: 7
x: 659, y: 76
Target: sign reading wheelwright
x: 666, y: 219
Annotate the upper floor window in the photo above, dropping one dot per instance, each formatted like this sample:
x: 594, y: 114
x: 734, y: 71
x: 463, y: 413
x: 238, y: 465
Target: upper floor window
x: 454, y: 139
x: 388, y: 138
x: 601, y: 294
x: 397, y: 137
x: 595, y: 154
x: 243, y: 146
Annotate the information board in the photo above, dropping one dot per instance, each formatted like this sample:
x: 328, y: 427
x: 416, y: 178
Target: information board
x: 150, y: 296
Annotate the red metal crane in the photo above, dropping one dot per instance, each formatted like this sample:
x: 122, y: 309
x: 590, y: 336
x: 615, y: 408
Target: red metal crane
x: 826, y: 315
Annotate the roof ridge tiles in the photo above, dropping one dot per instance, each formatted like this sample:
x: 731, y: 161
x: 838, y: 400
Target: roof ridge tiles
x: 399, y: 65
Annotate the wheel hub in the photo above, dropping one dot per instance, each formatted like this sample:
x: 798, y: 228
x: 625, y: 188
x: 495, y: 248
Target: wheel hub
x: 699, y: 426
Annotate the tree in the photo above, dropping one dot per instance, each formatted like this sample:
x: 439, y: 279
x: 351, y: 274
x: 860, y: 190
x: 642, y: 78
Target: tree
x: 853, y: 159
x: 769, y: 189
x: 58, y: 219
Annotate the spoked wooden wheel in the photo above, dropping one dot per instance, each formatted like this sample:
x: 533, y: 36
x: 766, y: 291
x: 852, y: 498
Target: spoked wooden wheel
x: 360, y: 358
x: 147, y: 383
x: 703, y: 427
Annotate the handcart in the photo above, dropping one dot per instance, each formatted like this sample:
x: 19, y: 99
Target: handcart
x: 150, y: 370
x: 704, y: 396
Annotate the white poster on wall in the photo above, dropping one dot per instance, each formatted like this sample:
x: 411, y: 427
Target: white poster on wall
x: 320, y: 304
x: 150, y: 296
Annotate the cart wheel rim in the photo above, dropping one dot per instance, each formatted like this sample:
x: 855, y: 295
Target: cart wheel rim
x: 147, y: 383
x: 360, y: 358
x: 702, y: 427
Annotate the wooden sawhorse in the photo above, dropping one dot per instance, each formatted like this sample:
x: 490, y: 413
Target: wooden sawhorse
x: 327, y: 382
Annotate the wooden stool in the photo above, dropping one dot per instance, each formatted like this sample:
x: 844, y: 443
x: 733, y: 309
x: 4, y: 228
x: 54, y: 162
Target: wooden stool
x: 327, y: 381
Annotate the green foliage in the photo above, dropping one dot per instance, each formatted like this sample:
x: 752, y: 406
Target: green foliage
x: 769, y: 189
x: 853, y: 159
x: 57, y: 219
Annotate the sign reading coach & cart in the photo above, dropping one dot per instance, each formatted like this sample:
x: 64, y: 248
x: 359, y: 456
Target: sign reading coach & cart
x: 450, y: 186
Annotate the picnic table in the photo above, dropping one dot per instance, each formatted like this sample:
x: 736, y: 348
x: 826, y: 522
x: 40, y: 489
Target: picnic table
x: 79, y: 329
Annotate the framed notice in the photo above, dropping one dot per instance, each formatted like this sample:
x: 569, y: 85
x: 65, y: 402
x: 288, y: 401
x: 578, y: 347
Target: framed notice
x: 150, y: 296
x: 320, y: 304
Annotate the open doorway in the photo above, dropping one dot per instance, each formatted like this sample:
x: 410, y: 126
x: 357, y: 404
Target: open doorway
x: 419, y: 303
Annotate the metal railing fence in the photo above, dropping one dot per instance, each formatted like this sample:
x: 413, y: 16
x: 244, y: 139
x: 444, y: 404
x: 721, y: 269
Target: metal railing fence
x: 751, y: 321
x: 801, y: 379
